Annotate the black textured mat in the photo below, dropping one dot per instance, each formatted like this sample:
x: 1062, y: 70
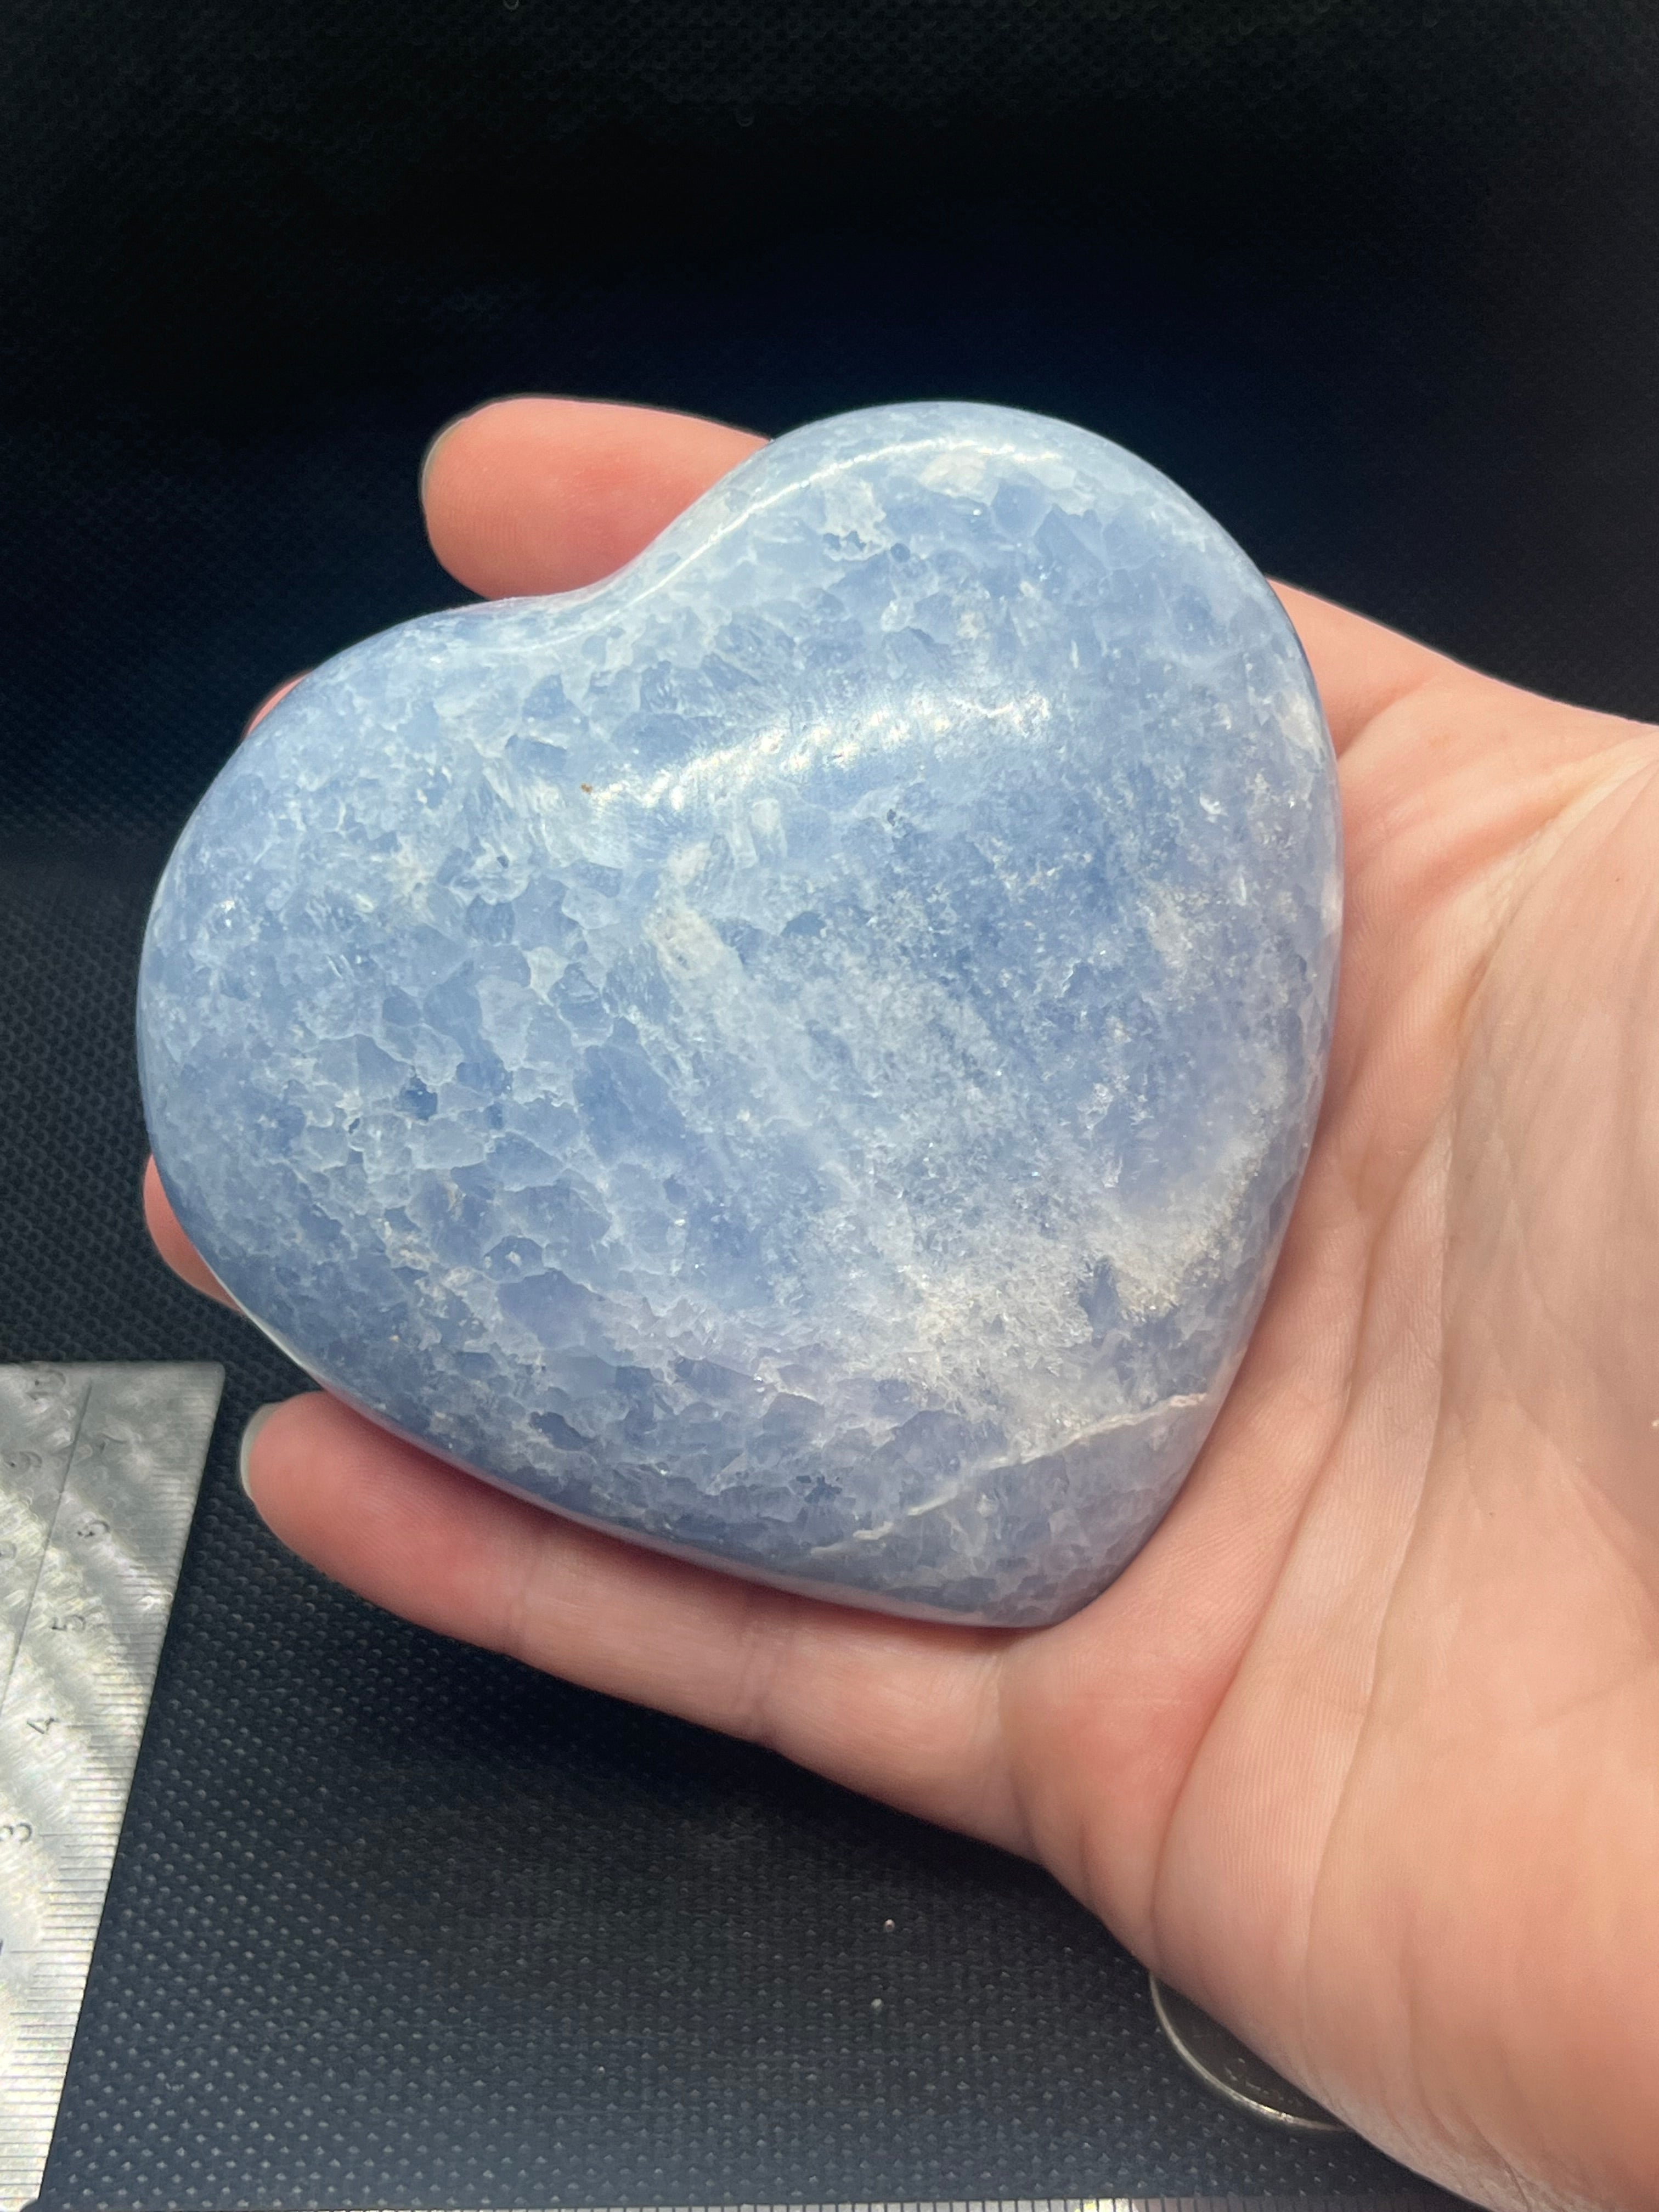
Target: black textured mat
x: 394, y: 1922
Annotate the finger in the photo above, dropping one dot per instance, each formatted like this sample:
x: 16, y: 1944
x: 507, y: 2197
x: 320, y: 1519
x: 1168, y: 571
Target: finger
x: 270, y: 700
x: 174, y: 1247
x: 1361, y: 667
x: 899, y: 1709
x: 532, y: 495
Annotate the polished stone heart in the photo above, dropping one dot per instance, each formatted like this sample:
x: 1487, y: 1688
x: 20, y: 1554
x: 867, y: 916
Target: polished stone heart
x: 802, y: 1053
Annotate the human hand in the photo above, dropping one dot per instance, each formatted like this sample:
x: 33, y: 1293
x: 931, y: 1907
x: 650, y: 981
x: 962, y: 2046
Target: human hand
x: 1362, y: 1750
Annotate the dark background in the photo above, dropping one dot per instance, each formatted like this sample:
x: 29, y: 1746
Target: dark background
x: 393, y: 1922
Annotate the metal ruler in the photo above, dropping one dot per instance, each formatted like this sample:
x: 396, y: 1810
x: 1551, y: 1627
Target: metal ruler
x: 98, y: 1472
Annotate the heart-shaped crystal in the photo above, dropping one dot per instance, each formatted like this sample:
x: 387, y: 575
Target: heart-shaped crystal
x: 802, y: 1053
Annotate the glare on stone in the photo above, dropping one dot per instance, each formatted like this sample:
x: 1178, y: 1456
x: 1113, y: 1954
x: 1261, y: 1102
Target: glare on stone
x: 801, y: 1054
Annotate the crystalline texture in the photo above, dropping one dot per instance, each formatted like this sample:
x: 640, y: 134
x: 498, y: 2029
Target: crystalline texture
x: 803, y: 1051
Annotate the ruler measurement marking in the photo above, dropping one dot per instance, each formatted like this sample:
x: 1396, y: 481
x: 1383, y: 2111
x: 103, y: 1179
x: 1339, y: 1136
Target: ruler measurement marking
x: 32, y: 1412
x: 106, y: 1510
x: 40, y: 1556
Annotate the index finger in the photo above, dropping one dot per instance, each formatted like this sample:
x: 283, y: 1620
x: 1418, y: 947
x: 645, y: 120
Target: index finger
x: 531, y: 494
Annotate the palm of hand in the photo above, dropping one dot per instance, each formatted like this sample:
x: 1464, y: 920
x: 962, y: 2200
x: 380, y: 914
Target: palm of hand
x: 1360, y: 1750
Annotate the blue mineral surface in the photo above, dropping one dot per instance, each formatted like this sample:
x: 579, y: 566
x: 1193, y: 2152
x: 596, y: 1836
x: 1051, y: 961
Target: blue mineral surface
x: 800, y: 1053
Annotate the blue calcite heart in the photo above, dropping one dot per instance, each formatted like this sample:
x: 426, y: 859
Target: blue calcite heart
x: 802, y: 1053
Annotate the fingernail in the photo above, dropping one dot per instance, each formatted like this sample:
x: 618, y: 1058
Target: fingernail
x: 256, y: 1421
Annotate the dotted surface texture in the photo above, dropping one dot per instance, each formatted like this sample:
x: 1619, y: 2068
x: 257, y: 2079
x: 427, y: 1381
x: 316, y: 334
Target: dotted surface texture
x: 1376, y: 285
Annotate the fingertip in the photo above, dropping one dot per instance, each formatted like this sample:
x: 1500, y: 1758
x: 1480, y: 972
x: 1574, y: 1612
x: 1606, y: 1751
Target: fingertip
x: 272, y: 699
x: 173, y: 1246
x: 372, y: 1511
x: 441, y: 437
x: 285, y: 1460
x: 535, y: 493
x: 255, y: 1422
